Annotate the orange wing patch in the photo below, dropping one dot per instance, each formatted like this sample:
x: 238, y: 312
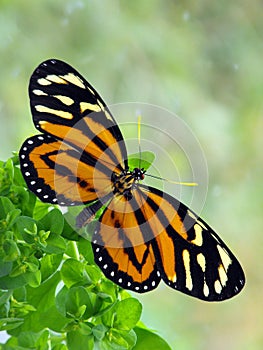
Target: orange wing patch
x: 60, y: 174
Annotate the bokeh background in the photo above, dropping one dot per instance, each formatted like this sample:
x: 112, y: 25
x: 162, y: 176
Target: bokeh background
x: 201, y: 60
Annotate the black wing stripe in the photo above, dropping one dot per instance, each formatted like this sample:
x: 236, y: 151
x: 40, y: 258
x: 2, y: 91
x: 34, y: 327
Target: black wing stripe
x: 58, y: 86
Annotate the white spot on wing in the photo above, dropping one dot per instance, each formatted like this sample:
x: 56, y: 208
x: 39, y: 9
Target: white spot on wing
x: 222, y: 275
x: 188, y: 280
x: 206, y: 290
x: 198, y: 235
x: 201, y: 261
x: 65, y: 99
x: 55, y: 79
x: 218, y: 287
x: 39, y: 92
x: 89, y: 106
x: 59, y: 113
x: 72, y: 78
x: 224, y: 257
x: 43, y: 81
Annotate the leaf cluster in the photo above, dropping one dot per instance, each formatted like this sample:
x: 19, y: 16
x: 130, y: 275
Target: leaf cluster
x: 52, y: 294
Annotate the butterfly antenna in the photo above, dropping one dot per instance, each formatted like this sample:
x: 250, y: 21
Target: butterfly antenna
x: 139, y: 140
x: 173, y: 182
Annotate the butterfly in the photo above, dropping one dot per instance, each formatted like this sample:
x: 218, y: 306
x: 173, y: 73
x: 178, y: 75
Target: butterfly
x: 143, y: 235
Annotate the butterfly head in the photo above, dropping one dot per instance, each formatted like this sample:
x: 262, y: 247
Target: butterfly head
x: 138, y: 173
x: 124, y: 183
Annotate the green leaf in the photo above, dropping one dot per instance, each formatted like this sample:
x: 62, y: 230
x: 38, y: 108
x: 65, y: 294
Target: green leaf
x: 46, y: 314
x: 79, y: 302
x: 11, y: 217
x: 27, y: 228
x: 78, y: 341
x: 60, y: 300
x: 72, y: 250
x: 4, y: 296
x: 43, y: 297
x: 11, y: 250
x: 32, y: 340
x: 109, y: 288
x: 20, y: 294
x: 10, y: 323
x: 9, y: 282
x: 128, y: 313
x: 9, y: 166
x: 38, y: 320
x: 94, y: 273
x: 28, y: 203
x: 49, y: 264
x: 99, y: 331
x: 34, y: 279
x: 149, y: 340
x: 73, y: 272
x: 119, y: 340
x: 55, y: 244
x: 6, y: 206
x: 70, y: 222
x: 143, y: 160
x: 85, y: 249
x: 59, y: 347
x: 40, y: 209
x: 53, y: 222
x: 85, y: 328
x: 18, y: 177
x: 5, y: 268
x: 42, y: 341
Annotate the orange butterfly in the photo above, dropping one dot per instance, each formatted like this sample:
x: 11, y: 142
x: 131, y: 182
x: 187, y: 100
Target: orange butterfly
x: 143, y: 234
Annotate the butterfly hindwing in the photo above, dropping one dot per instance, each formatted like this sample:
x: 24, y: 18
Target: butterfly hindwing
x: 185, y: 252
x: 121, y: 248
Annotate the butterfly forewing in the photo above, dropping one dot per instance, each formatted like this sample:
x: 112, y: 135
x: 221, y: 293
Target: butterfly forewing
x: 65, y: 105
x: 71, y: 163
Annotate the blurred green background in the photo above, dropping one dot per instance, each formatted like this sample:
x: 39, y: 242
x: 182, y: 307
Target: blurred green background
x: 201, y: 60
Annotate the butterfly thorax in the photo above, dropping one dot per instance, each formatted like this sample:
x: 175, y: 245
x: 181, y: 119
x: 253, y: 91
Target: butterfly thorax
x: 124, y: 183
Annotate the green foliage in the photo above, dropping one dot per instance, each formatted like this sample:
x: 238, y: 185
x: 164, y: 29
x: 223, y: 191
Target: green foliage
x: 141, y: 160
x: 52, y: 295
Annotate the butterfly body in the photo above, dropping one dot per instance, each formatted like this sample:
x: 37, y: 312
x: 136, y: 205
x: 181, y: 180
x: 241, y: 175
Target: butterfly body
x: 143, y: 235
x: 123, y: 183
